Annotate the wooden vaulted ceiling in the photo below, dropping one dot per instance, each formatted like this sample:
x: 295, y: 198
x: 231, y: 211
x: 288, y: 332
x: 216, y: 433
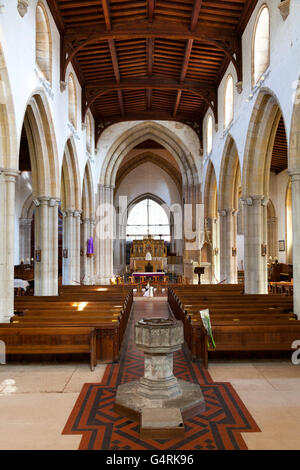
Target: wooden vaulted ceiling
x: 150, y: 59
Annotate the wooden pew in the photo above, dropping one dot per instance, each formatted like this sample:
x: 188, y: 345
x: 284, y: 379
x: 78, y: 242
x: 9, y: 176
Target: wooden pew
x: 49, y: 340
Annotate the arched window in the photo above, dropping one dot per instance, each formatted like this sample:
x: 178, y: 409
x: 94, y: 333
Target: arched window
x: 261, y: 45
x: 43, y: 42
x: 88, y: 133
x: 147, y: 218
x: 72, y: 101
x: 209, y: 135
x: 228, y: 114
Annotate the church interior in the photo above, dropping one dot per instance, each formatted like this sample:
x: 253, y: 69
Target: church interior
x: 150, y: 182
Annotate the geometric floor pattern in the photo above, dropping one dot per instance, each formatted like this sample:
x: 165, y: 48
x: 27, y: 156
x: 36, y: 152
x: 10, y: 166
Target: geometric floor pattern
x: 218, y: 428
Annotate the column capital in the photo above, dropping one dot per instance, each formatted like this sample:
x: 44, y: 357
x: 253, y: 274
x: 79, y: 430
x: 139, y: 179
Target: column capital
x: 46, y: 200
x: 77, y: 213
x: 68, y: 213
x: 294, y: 173
x: 255, y: 200
x: 10, y: 174
x: 226, y: 212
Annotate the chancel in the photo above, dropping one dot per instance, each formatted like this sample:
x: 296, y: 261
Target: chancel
x: 149, y: 167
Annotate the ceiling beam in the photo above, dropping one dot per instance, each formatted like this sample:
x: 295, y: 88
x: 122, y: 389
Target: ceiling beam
x: 216, y: 38
x: 56, y: 13
x: 106, y: 13
x: 195, y: 14
x: 150, y: 7
x: 185, y: 64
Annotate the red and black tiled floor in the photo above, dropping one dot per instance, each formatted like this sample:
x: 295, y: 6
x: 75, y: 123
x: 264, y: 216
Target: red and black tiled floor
x: 218, y: 428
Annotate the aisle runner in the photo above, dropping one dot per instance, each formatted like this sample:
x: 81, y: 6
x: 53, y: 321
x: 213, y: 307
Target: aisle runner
x: 219, y: 428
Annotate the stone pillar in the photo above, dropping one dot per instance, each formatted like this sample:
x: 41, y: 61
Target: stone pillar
x: 255, y: 242
x: 295, y: 180
x: 87, y: 262
x: 46, y: 246
x: 104, y: 234
x: 25, y: 239
x: 228, y: 258
x: 71, y: 247
x: 272, y: 237
x: 76, y: 248
x: 7, y: 221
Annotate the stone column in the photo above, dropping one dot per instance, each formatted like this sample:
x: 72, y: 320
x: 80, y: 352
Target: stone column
x: 76, y: 248
x: 272, y: 237
x: 25, y: 239
x: 228, y: 258
x: 46, y: 242
x: 295, y: 180
x: 87, y: 262
x: 104, y: 234
x: 68, y: 244
x: 7, y: 221
x: 71, y: 243
x: 255, y: 242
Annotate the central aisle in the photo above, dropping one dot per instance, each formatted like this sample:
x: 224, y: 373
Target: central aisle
x: 93, y: 415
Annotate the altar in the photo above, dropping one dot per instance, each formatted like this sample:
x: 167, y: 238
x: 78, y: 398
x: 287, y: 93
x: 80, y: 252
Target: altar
x: 148, y: 275
x: 148, y: 257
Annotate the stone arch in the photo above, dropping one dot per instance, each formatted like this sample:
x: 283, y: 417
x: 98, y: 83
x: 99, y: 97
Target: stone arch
x: 87, y: 227
x: 43, y: 42
x: 294, y: 172
x: 210, y: 248
x: 70, y: 205
x: 210, y: 193
x: 230, y: 176
x: 230, y: 180
x: 261, y: 135
x: 138, y: 134
x: 42, y: 146
x: 259, y: 143
x: 8, y: 133
x: 88, y: 204
x: 151, y: 157
x: 70, y: 177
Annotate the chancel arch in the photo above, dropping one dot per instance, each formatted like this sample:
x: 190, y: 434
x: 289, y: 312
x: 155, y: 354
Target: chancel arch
x: 229, y: 185
x: 190, y: 180
x: 210, y: 248
x: 71, y: 210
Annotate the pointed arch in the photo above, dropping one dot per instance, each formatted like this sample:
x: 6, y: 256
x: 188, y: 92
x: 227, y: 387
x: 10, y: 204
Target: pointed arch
x: 43, y: 42
x: 210, y: 193
x: 40, y: 134
x: 151, y: 157
x: 261, y: 135
x: 230, y: 176
x: 8, y: 133
x: 88, y: 204
x: 138, y: 134
x: 70, y: 179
